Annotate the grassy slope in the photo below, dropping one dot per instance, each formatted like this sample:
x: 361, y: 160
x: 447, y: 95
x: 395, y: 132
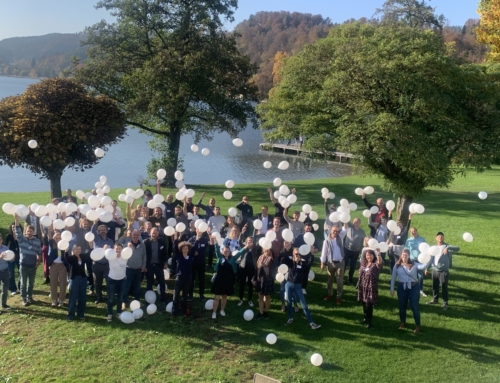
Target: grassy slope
x: 462, y: 344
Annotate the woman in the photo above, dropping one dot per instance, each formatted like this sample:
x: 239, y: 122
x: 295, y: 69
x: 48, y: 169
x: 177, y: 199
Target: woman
x: 223, y: 282
x: 227, y: 226
x: 116, y: 281
x: 353, y: 244
x: 233, y: 240
x: 406, y: 273
x: 11, y: 243
x: 58, y: 268
x: 246, y: 269
x: 368, y: 283
x: 264, y: 282
x: 365, y: 247
x: 397, y: 242
x: 184, y: 274
x: 78, y: 291
x: 293, y: 287
x: 132, y: 215
x: 285, y: 257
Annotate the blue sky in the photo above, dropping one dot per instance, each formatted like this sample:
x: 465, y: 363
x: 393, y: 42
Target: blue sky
x: 39, y: 17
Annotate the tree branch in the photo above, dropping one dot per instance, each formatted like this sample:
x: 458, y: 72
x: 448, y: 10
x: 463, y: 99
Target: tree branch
x: 166, y: 134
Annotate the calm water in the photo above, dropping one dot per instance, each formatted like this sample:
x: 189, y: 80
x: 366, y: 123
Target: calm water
x: 128, y: 159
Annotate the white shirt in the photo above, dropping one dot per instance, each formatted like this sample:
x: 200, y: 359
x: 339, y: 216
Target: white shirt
x: 331, y: 251
x: 436, y: 258
x: 117, y: 269
x: 265, y: 221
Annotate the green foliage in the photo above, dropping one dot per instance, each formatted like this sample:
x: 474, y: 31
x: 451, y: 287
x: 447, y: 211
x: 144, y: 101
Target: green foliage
x: 67, y: 123
x: 413, y: 13
x: 392, y: 97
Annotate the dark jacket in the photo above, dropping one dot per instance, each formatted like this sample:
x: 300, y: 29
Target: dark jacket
x: 297, y: 272
x: 200, y: 246
x: 270, y: 219
x: 162, y: 251
x: 385, y: 213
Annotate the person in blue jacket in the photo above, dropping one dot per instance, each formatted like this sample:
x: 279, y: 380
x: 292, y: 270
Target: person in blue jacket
x: 412, y: 244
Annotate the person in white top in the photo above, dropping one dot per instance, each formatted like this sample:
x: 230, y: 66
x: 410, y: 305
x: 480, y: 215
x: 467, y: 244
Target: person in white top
x: 406, y: 273
x: 332, y: 256
x: 116, y: 281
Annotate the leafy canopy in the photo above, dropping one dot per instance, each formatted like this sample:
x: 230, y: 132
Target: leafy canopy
x: 488, y: 31
x: 391, y: 96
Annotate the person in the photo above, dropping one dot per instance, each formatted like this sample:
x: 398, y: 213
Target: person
x: 246, y: 210
x: 307, y: 259
x: 59, y: 268
x: 198, y: 253
x: 332, y: 255
x: 375, y: 218
x: 4, y: 273
x: 381, y: 232
x: 80, y: 231
x: 232, y: 240
x: 327, y: 226
x: 170, y: 203
x: 296, y: 226
x: 145, y: 230
x: 246, y: 269
x: 216, y: 221
x: 183, y: 276
x: 286, y: 257
x: 157, y: 219
x: 116, y: 281
x: 156, y: 261
x: 277, y: 244
x: 227, y: 226
x: 209, y: 209
x: 441, y: 265
x: 177, y: 239
x: 223, y: 281
x: 113, y: 226
x: 68, y: 197
x: 406, y: 273
x: 133, y: 215
x: 267, y: 220
x: 353, y: 243
x: 100, y: 268
x: 368, y: 284
x: 13, y: 245
x: 30, y: 250
x: 78, y: 290
x: 136, y: 265
x: 34, y: 221
x: 264, y: 282
x: 412, y: 244
x: 279, y: 210
x: 293, y: 287
x: 397, y: 242
x: 181, y: 214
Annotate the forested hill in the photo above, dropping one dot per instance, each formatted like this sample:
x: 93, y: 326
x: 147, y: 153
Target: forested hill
x: 39, y: 56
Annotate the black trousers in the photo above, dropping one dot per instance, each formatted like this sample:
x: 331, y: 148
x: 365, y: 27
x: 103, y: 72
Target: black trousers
x: 182, y: 284
x: 368, y: 311
x: 156, y: 270
x: 439, y: 277
x: 243, y: 274
x: 210, y: 258
x: 198, y: 271
x: 351, y: 258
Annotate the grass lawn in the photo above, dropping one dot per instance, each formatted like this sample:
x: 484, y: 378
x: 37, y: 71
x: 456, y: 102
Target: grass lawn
x: 458, y: 345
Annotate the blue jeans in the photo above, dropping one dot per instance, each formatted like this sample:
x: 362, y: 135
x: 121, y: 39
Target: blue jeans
x: 12, y: 273
x: 77, y: 293
x: 297, y: 290
x: 282, y: 293
x: 412, y: 295
x: 27, y: 275
x: 115, y: 286
x: 420, y: 274
x: 133, y: 278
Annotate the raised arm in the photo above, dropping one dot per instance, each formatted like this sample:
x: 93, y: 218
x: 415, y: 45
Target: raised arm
x: 285, y: 215
x: 365, y: 201
x: 185, y: 207
x: 158, y: 186
x: 19, y: 231
x: 271, y: 195
x: 201, y: 199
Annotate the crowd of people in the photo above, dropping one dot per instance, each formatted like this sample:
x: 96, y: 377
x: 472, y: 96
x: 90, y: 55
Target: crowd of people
x: 229, y: 247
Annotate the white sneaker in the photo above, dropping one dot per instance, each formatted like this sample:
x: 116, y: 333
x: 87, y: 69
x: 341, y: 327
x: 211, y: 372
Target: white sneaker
x: 304, y: 291
x: 250, y: 303
x: 222, y: 312
x: 13, y: 293
x: 422, y: 293
x: 214, y: 316
x: 240, y: 303
x: 110, y: 318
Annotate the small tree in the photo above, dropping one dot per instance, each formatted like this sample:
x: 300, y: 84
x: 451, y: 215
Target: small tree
x: 67, y: 123
x: 488, y: 32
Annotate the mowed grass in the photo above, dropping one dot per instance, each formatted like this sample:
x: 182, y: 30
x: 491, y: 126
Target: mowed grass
x: 458, y: 345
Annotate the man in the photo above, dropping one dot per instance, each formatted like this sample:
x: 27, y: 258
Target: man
x: 333, y: 257
x: 100, y: 268
x: 441, y: 265
x: 277, y: 244
x: 309, y: 258
x: 267, y: 220
x: 181, y: 215
x: 198, y: 252
x: 353, y: 244
x: 34, y: 221
x: 327, y: 226
x: 30, y: 250
x: 169, y: 203
x: 412, y: 245
x: 375, y: 218
x: 116, y: 222
x: 68, y: 197
x: 156, y: 261
x: 4, y: 274
x: 157, y: 219
x: 216, y: 221
x: 209, y: 209
x: 136, y: 265
x: 80, y: 231
x: 294, y: 224
x: 246, y: 210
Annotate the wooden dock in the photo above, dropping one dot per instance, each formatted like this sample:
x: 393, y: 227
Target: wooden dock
x: 297, y: 150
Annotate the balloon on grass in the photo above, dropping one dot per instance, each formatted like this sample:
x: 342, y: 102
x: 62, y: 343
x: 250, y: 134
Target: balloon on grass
x: 151, y: 309
x: 134, y: 305
x: 311, y: 275
x: 248, y: 315
x: 316, y: 360
x: 169, y: 307
x: 209, y: 305
x: 150, y: 296
x: 127, y: 317
x: 138, y: 313
x: 283, y: 269
x: 271, y: 338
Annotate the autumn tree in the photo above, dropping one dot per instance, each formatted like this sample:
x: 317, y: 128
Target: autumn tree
x: 394, y: 98
x: 488, y: 31
x: 172, y: 69
x: 67, y: 123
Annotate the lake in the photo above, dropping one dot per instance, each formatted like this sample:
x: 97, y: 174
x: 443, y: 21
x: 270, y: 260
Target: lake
x: 125, y: 161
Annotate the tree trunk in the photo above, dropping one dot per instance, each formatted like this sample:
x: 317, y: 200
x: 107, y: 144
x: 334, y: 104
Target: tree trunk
x: 174, y: 143
x: 55, y: 184
x: 403, y: 208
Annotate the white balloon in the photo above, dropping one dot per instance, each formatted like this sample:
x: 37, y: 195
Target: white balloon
x: 390, y: 205
x: 309, y: 238
x: 232, y: 212
x: 171, y: 222
x: 180, y: 227
x: 374, y: 209
x: 237, y: 142
x: 311, y: 275
x: 267, y: 164
x: 283, y: 165
x: 134, y: 305
x: 80, y: 194
x: 331, y: 195
x: 302, y: 216
x: 103, y: 179
x: 203, y: 227
x: 315, y: 226
x: 227, y: 194
x: 150, y: 296
x: 285, y: 204
x: 66, y: 235
x: 344, y: 202
x: 9, y: 255
x: 368, y: 190
x: 127, y: 317
x: 367, y: 213
x: 40, y: 211
x: 93, y: 201
x: 287, y: 235
x: 334, y: 217
x: 106, y: 201
x: 194, y: 148
x: 324, y: 190
x: 63, y: 244
x: 306, y: 208
x: 313, y: 215
x: 190, y: 193
x: 99, y: 152
x: 343, y: 209
x: 32, y: 144
x: 179, y: 195
x: 8, y: 208
x: 271, y: 235
x: 412, y: 208
x: 59, y: 224
x: 106, y: 217
x: 423, y: 247
x: 33, y: 207
x: 178, y: 175
x: 397, y: 231
x: 304, y: 249
x: 151, y: 309
x: 383, y: 247
x: 468, y: 237
x: 281, y: 199
x: 316, y: 360
x: 433, y: 250
x: 152, y: 204
x: 292, y: 198
x: 257, y: 224
x: 97, y: 254
x: 359, y: 191
x: 271, y: 338
x: 482, y: 195
x: 277, y: 182
x: 266, y: 244
x: 126, y: 253
x: 89, y: 237
x: 391, y: 225
x: 248, y: 315
x: 353, y: 206
x: 45, y: 221
x: 283, y: 269
x: 419, y: 209
x: 209, y: 305
x: 161, y: 174
x: 169, y: 307
x: 284, y: 190
x: 138, y: 313
x: 110, y: 254
x: 280, y: 277
x: 344, y: 217
x: 205, y: 152
x: 372, y: 243
x: 158, y: 198
x: 424, y: 257
x: 229, y: 184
